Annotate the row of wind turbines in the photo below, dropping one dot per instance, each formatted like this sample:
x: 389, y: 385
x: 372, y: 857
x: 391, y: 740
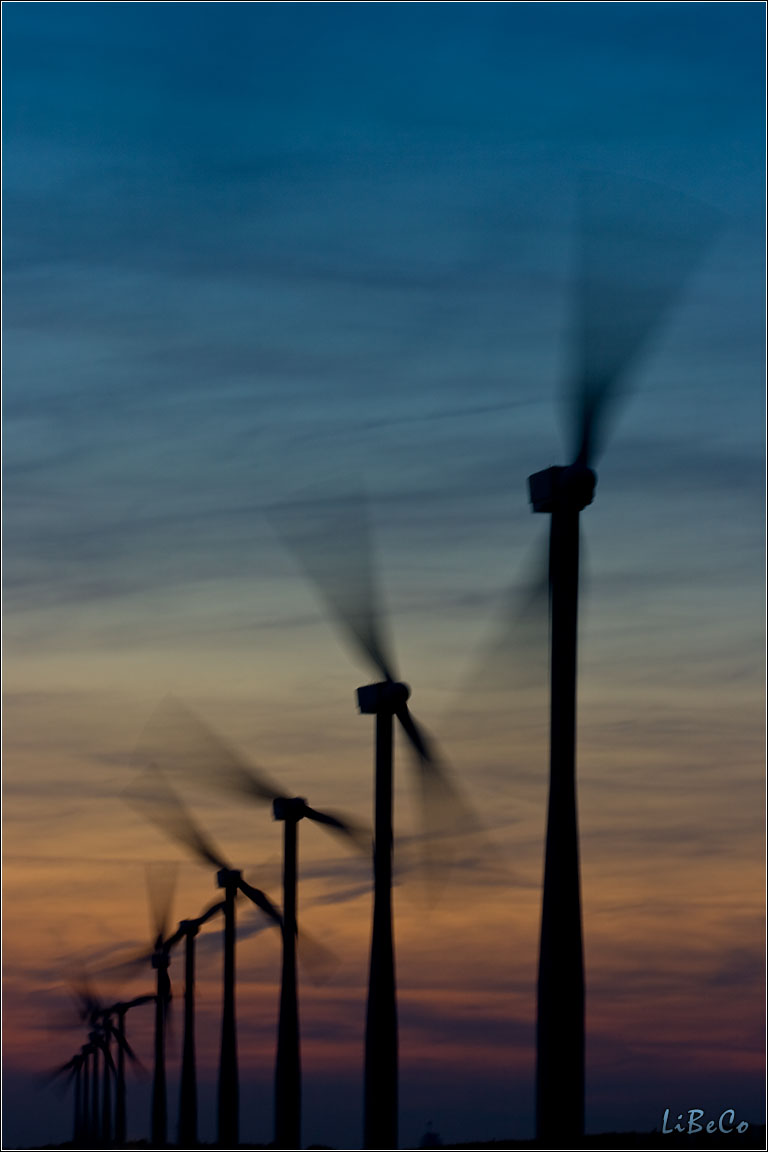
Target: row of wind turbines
x: 639, y: 243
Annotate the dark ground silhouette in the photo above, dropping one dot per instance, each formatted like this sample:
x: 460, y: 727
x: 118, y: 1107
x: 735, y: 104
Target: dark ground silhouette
x: 754, y: 1137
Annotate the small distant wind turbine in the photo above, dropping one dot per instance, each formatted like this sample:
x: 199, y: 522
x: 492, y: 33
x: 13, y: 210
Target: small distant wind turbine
x: 98, y: 1104
x: 101, y: 1038
x: 181, y: 741
x: 101, y: 1016
x: 158, y: 803
x: 160, y: 883
x: 331, y: 542
x: 120, y: 1011
x: 639, y: 243
x: 75, y: 1068
x: 110, y: 1018
x: 160, y: 958
x: 85, y: 1098
x: 91, y: 1085
x: 188, y: 930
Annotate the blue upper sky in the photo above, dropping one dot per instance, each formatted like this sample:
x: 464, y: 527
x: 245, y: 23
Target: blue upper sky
x: 273, y: 234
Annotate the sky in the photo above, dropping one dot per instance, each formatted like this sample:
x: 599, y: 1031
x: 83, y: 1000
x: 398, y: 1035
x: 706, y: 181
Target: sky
x: 260, y: 250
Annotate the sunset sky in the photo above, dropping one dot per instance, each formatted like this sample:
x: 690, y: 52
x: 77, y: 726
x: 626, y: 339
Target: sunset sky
x: 254, y: 250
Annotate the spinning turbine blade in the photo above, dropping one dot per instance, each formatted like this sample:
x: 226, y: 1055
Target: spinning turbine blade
x: 262, y: 901
x: 176, y: 737
x: 121, y: 1042
x: 177, y: 740
x: 638, y: 244
x: 348, y: 830
x: 152, y: 796
x: 330, y: 539
x: 161, y: 884
x: 131, y: 966
x: 88, y: 1005
x: 316, y: 959
x: 46, y: 1078
x: 515, y: 658
x: 445, y: 815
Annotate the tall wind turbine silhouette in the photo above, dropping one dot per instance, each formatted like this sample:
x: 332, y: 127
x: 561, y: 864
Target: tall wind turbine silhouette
x: 639, y: 242
x: 331, y: 541
x: 187, y: 931
x: 161, y: 880
x: 154, y: 798
x: 179, y: 739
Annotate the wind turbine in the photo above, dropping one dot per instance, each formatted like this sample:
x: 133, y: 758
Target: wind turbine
x: 188, y: 930
x: 160, y: 883
x: 120, y: 1010
x: 639, y: 242
x: 160, y: 891
x: 83, y: 1068
x: 76, y: 1069
x: 155, y: 799
x: 101, y: 1015
x: 101, y: 1038
x: 91, y: 1089
x: 331, y: 542
x: 98, y: 1109
x: 179, y: 739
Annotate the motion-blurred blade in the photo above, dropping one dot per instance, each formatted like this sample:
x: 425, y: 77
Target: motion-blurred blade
x: 161, y: 884
x: 447, y: 817
x: 137, y: 1002
x: 131, y: 966
x: 213, y: 910
x: 178, y: 741
x: 262, y: 901
x: 331, y: 541
x: 70, y: 1067
x: 514, y: 658
x: 318, y: 960
x: 639, y: 243
x: 352, y: 832
x: 153, y: 798
x: 103, y: 1044
x: 446, y: 811
x: 88, y: 1005
x: 122, y: 1042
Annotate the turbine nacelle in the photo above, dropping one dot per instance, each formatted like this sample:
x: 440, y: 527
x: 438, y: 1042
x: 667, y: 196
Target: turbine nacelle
x: 558, y: 487
x: 388, y: 696
x: 228, y: 877
x: 285, y: 808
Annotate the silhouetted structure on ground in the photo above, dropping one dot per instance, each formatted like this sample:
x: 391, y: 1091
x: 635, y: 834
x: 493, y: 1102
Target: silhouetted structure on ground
x: 638, y: 244
x: 178, y: 740
x: 331, y: 540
